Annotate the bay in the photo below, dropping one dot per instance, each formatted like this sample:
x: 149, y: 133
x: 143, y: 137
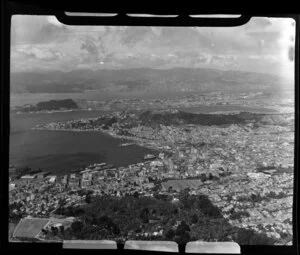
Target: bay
x: 60, y: 151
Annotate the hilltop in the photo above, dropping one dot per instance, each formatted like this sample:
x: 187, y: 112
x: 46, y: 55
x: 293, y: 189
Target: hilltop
x: 52, y: 105
x: 180, y: 117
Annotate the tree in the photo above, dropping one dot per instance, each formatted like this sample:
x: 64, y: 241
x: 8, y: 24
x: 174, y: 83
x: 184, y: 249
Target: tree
x: 182, y: 227
x: 203, y: 177
x: 186, y: 199
x: 62, y: 229
x: 210, y: 176
x: 77, y: 226
x: 256, y: 198
x: 175, y: 210
x: 249, y: 237
x: 144, y: 215
x: 78, y: 211
x: 194, y: 218
x: 106, y: 222
x: 206, y: 206
x: 183, y: 238
x: 44, y: 231
x: 116, y: 229
x: 169, y: 234
x: 88, y: 198
x: 93, y: 220
x: 14, y: 217
x: 54, y: 230
x: 61, y: 202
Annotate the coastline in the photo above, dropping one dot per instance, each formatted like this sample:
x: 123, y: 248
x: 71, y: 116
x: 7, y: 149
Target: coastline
x: 137, y: 141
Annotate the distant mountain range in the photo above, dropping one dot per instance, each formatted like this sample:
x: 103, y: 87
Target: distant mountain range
x: 143, y: 79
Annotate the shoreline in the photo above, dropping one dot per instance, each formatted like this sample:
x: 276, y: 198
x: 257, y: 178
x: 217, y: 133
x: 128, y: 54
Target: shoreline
x: 137, y: 141
x: 134, y: 141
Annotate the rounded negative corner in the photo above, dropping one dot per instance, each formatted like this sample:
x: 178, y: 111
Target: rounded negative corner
x: 120, y: 18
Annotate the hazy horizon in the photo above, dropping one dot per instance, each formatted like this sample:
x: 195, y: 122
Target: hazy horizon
x: 42, y: 43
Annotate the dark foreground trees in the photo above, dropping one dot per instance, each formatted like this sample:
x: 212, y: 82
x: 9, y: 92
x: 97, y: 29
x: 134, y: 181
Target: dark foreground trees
x: 76, y: 227
x: 182, y: 233
x: 250, y: 237
x: 120, y: 218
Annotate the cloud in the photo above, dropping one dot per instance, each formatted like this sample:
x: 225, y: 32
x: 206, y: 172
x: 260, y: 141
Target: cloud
x: 260, y: 22
x: 101, y: 45
x: 41, y: 42
x: 183, y: 38
x: 223, y: 61
x: 37, y: 30
x: 91, y: 49
x: 291, y: 53
x: 31, y: 58
x: 133, y: 35
x: 267, y: 58
x: 53, y: 20
x: 265, y: 41
x: 188, y: 58
x: 43, y: 54
x: 51, y: 33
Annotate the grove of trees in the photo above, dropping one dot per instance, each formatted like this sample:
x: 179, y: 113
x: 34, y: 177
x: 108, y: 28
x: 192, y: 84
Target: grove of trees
x: 193, y: 217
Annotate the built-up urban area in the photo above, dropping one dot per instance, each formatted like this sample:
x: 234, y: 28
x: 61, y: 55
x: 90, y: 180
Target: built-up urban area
x: 244, y: 168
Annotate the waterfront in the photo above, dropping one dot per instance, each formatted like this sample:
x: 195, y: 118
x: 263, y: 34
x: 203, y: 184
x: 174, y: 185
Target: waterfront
x: 63, y: 151
x: 25, y: 121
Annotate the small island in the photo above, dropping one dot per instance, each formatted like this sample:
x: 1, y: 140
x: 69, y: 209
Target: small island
x: 52, y: 105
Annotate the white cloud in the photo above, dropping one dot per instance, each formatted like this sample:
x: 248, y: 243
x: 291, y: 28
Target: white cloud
x: 46, y: 42
x: 53, y: 20
x: 224, y: 61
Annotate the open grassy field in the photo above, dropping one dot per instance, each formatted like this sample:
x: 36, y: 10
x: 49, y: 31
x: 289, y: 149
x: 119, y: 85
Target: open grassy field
x: 29, y: 228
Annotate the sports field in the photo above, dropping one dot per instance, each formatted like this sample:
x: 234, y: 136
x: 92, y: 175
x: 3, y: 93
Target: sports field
x: 29, y: 228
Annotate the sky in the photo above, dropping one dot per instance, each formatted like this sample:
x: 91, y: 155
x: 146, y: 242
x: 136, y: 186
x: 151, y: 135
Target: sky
x: 42, y: 43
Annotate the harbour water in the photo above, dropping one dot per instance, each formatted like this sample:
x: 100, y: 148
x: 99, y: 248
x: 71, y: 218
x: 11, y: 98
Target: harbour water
x: 59, y: 152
